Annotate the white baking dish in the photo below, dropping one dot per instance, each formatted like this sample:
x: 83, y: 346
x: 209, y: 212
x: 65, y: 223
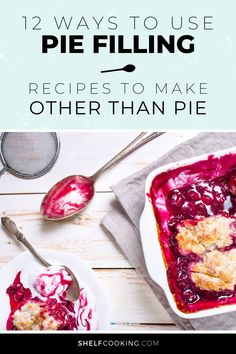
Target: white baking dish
x: 151, y: 246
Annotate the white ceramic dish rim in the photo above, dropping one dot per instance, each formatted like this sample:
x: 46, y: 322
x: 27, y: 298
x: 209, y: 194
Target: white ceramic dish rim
x: 80, y: 268
x: 151, y: 246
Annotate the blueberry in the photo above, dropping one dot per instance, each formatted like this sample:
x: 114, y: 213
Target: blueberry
x: 19, y: 296
x: 176, y: 199
x: 11, y: 290
x: 183, y: 282
x: 190, y: 297
x: 207, y: 198
x: 193, y: 195
x: 232, y: 182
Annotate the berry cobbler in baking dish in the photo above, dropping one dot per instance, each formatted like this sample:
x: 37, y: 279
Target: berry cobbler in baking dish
x: 195, y: 211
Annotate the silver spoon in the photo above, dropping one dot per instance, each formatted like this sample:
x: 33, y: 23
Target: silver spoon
x: 73, y: 194
x: 73, y: 293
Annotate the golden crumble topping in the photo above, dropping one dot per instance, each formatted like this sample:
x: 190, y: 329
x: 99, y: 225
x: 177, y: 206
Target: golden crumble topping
x: 210, y: 233
x: 217, y: 271
x: 31, y: 317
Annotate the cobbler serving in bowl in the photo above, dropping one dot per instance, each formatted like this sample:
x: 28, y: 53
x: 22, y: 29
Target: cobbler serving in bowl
x: 195, y: 212
x: 38, y: 302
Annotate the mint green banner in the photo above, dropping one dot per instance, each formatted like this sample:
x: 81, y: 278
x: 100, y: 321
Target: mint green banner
x: 181, y: 57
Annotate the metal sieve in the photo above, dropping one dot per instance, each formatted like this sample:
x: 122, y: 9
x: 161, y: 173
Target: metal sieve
x: 28, y: 154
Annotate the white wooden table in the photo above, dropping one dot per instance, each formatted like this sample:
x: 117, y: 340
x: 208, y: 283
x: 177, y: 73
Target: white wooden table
x: 134, y: 306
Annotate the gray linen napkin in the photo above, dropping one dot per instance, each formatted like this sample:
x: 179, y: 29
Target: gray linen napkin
x: 123, y: 221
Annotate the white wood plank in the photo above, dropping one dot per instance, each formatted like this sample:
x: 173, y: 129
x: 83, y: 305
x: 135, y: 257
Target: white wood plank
x: 132, y: 300
x: 131, y: 297
x: 82, y: 236
x: 84, y: 153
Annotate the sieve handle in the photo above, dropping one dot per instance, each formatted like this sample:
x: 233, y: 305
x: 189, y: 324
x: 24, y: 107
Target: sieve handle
x: 3, y: 170
x: 10, y: 226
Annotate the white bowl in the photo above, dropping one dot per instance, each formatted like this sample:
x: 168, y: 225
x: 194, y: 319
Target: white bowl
x: 80, y: 268
x: 151, y: 246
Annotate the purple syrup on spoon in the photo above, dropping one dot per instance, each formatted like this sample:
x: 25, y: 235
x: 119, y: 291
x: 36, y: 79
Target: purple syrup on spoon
x: 67, y: 197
